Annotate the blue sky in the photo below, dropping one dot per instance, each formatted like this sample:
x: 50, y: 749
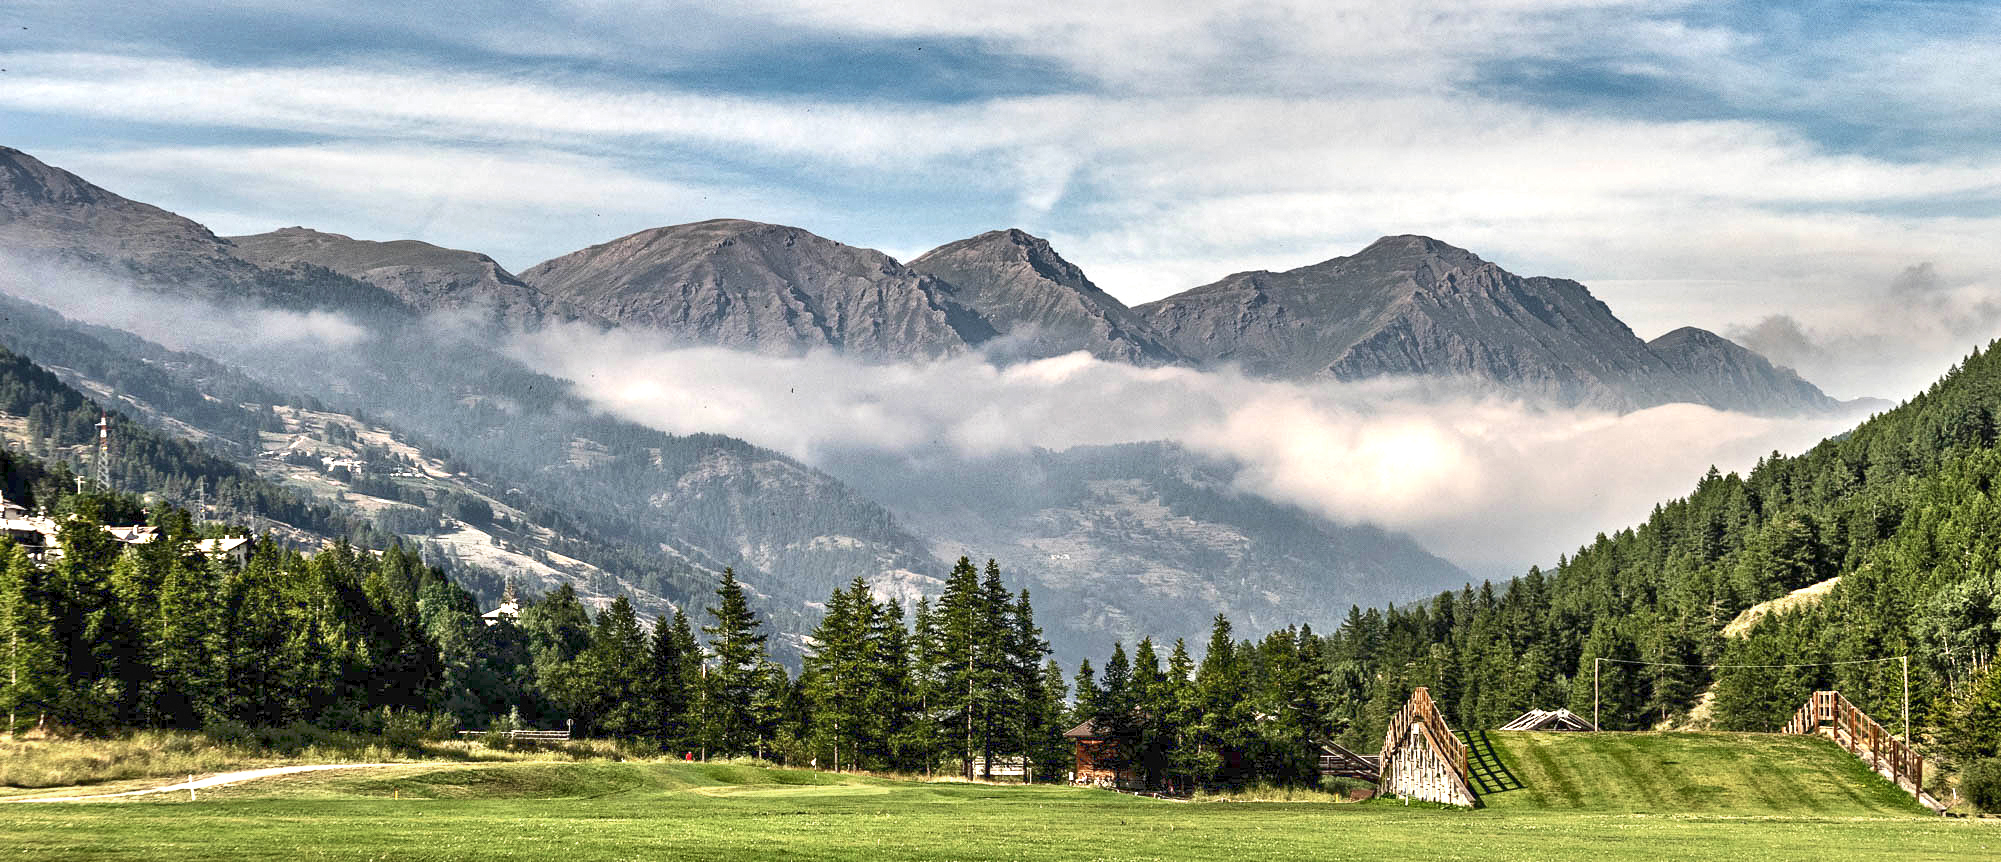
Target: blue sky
x: 1768, y: 170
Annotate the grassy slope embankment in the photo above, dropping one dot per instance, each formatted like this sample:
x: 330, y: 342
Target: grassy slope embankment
x: 606, y: 810
x: 1741, y: 774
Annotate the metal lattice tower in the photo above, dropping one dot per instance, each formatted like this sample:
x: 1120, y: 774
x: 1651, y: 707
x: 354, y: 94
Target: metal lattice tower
x: 104, y: 453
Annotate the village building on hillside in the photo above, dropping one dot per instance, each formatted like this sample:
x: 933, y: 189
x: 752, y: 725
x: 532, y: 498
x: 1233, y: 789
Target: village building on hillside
x: 141, y: 534
x: 40, y: 535
x: 236, y: 549
x: 510, y: 608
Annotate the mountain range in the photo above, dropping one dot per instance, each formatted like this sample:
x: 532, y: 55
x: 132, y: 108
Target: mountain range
x: 1137, y: 538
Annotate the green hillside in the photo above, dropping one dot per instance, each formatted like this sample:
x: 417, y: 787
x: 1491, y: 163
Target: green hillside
x: 1682, y: 773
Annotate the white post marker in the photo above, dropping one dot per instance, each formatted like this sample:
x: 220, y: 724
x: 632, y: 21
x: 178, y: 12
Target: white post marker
x: 191, y: 787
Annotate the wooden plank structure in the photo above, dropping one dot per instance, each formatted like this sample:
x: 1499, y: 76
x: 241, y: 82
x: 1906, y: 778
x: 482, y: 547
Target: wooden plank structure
x: 526, y: 735
x: 1830, y: 715
x: 1336, y: 760
x: 1422, y: 758
x: 1548, y: 720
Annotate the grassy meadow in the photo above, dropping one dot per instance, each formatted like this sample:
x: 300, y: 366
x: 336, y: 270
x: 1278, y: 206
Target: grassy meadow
x: 615, y: 810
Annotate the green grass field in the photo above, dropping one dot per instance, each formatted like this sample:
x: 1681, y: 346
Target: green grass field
x: 1573, y: 804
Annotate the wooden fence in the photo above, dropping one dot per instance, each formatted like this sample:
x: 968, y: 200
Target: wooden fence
x: 1422, y: 758
x: 1829, y: 714
x: 526, y: 735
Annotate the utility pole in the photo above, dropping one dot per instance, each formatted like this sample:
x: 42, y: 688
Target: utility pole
x: 1907, y: 699
x: 1595, y: 726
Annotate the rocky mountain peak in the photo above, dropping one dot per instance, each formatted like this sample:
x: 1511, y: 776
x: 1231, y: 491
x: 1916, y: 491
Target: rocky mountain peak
x: 764, y: 287
x: 27, y: 181
x: 1730, y: 376
x: 1042, y: 303
x: 1410, y: 245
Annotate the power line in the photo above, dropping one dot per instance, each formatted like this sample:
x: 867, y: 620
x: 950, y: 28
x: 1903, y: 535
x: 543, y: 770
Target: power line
x: 1597, y: 663
x: 1749, y: 666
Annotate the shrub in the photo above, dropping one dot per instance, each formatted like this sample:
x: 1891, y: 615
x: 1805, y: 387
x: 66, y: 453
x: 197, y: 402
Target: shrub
x: 1981, y: 785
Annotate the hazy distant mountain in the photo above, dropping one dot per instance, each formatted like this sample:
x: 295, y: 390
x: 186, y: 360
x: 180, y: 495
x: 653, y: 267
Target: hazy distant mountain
x: 1043, y: 303
x: 1147, y: 539
x: 763, y: 287
x: 1733, y: 377
x: 51, y: 215
x: 426, y: 277
x: 1411, y: 305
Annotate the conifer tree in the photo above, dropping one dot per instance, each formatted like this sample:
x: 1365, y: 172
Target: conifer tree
x: 838, y: 677
x: 1223, y: 694
x: 740, y: 675
x: 668, y: 685
x: 1030, y: 714
x: 30, y: 673
x: 612, y: 674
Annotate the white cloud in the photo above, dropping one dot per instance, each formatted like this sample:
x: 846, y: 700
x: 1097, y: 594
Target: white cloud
x: 1486, y: 482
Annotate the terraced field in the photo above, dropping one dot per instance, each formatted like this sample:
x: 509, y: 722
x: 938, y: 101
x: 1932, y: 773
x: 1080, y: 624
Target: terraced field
x: 601, y: 810
x: 1690, y: 773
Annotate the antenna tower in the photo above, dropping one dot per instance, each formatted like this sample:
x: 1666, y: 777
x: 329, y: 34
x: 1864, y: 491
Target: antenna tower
x: 104, y: 453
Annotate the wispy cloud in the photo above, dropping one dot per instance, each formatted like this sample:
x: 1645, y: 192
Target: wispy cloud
x: 1487, y: 482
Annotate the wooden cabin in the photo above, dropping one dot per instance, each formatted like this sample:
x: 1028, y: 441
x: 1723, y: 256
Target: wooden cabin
x: 1097, y: 756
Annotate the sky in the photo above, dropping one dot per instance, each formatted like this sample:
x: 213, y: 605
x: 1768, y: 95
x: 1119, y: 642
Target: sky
x: 1784, y: 173
x: 1820, y: 181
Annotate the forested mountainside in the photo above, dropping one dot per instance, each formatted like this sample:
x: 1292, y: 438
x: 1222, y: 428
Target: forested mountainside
x: 1147, y: 540
x: 485, y: 526
x: 41, y: 415
x: 665, y: 509
x: 1901, y: 509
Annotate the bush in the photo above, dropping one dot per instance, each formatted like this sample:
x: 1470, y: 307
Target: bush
x: 1981, y: 785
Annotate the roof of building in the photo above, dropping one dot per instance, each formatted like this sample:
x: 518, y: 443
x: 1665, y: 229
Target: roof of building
x: 1552, y: 719
x: 1087, y: 730
x: 138, y: 534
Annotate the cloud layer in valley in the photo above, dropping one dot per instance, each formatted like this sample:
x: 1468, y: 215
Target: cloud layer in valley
x: 1489, y: 483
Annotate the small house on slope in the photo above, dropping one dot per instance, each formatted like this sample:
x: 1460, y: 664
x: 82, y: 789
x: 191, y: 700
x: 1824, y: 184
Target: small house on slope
x: 510, y: 608
x: 1548, y: 720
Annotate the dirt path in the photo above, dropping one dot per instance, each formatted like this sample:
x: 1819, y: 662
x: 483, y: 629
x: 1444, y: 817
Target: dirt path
x: 217, y: 780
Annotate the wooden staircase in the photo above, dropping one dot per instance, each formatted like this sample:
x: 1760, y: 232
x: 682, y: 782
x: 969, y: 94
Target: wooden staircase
x: 1828, y: 714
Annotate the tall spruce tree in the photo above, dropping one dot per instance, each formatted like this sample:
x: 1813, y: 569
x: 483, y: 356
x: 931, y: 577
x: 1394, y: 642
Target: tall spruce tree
x: 668, y: 685
x: 740, y: 675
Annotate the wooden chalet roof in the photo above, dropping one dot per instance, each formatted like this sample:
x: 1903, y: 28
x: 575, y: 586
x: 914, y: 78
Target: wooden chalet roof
x: 1087, y: 730
x: 1552, y: 719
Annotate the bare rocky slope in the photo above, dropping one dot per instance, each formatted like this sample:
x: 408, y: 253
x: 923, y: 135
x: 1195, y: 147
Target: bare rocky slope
x: 424, y: 276
x: 1042, y: 304
x: 1411, y: 305
x: 50, y: 217
x: 763, y: 287
x: 1732, y: 377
